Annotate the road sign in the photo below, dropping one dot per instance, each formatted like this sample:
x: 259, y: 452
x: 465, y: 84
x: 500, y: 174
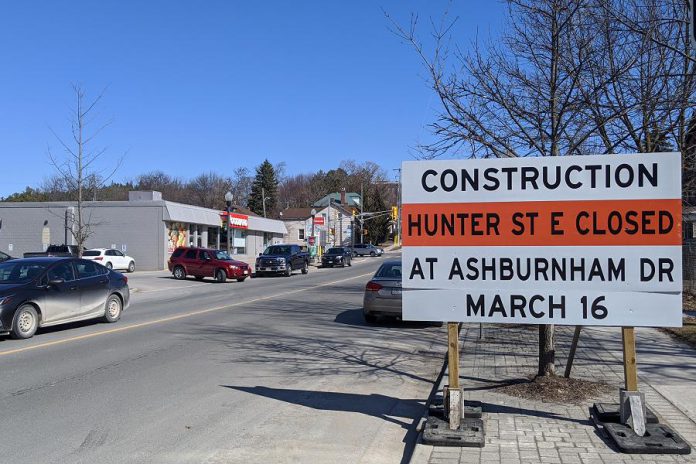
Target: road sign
x: 592, y: 240
x: 318, y: 220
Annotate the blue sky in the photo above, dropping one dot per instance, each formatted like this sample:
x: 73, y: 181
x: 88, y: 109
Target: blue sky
x: 212, y: 85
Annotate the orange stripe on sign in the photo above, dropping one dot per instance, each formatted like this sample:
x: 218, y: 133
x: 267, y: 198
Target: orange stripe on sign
x: 547, y: 223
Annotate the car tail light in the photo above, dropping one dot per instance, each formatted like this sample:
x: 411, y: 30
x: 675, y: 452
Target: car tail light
x: 373, y: 287
x: 125, y: 279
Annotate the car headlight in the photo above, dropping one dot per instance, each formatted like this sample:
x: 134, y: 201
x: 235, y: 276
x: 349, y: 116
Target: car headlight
x: 233, y: 267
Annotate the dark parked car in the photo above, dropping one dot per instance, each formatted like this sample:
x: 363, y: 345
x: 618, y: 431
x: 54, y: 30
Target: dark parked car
x: 282, y: 259
x: 337, y: 256
x: 55, y: 250
x: 41, y: 292
x: 4, y: 257
x: 205, y: 262
x: 383, y: 292
x: 364, y: 249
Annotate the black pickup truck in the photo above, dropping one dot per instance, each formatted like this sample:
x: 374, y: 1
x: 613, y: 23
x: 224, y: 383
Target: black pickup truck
x: 282, y: 259
x: 54, y: 250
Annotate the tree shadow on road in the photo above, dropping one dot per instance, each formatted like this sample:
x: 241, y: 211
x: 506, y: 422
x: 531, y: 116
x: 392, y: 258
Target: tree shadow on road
x: 405, y: 413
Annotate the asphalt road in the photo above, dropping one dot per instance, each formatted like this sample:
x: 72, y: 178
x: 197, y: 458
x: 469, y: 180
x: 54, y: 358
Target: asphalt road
x: 268, y: 370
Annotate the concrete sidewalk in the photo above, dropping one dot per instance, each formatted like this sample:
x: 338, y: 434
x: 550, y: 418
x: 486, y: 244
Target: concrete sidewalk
x: 520, y: 430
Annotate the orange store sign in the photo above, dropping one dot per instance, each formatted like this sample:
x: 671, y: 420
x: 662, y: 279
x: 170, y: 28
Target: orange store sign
x: 592, y: 240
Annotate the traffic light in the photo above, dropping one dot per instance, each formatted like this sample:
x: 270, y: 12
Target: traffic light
x: 395, y: 213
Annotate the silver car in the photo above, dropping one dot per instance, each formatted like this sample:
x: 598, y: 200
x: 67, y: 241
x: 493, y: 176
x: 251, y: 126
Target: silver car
x: 383, y: 292
x: 364, y: 249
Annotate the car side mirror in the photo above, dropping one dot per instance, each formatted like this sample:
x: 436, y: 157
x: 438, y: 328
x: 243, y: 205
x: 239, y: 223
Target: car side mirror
x: 55, y: 282
x: 260, y: 254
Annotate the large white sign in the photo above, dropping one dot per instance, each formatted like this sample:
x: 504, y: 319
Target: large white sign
x: 592, y: 240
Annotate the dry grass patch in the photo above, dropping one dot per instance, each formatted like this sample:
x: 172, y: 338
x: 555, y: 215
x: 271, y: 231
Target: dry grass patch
x: 553, y: 389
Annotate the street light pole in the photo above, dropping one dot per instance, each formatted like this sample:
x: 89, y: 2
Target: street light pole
x: 314, y: 239
x: 228, y: 199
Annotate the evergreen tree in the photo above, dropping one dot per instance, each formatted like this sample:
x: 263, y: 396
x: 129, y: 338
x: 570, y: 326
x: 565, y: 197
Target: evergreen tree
x: 265, y: 183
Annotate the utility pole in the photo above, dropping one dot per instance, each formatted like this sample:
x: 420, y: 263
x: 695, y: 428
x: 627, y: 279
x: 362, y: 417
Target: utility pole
x: 362, y: 202
x: 263, y: 200
x: 398, y: 210
x: 340, y: 229
x: 328, y: 227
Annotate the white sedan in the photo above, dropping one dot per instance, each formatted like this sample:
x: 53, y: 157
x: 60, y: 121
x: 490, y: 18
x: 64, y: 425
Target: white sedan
x: 112, y: 259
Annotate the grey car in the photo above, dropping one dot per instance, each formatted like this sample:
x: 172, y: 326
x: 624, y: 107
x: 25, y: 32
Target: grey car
x: 383, y: 292
x: 41, y: 292
x: 365, y: 249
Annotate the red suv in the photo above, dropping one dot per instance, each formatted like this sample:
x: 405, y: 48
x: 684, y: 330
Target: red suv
x: 204, y: 262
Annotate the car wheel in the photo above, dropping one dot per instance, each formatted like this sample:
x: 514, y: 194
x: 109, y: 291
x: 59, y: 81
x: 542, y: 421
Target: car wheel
x: 25, y: 322
x: 109, y: 266
x: 373, y: 254
x: 179, y: 273
x: 199, y: 277
x: 370, y: 318
x: 220, y: 276
x: 305, y: 268
x: 131, y: 266
x: 113, y: 309
x: 288, y: 270
x: 241, y: 279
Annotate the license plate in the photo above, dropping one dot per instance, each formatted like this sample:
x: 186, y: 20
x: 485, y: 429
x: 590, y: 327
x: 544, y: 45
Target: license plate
x: 396, y: 291
x: 246, y: 272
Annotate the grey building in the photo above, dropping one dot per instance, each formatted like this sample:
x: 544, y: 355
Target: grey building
x: 145, y: 227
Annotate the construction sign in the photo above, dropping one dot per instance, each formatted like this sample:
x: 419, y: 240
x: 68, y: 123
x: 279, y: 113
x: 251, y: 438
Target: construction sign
x: 591, y: 240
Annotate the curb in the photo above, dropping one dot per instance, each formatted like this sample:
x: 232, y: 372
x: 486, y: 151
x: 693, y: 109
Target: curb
x: 422, y: 452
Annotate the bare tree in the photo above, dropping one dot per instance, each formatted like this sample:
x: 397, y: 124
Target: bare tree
x: 208, y: 190
x: 241, y: 185
x: 513, y: 99
x: 649, y: 107
x: 78, y: 168
x: 571, y: 77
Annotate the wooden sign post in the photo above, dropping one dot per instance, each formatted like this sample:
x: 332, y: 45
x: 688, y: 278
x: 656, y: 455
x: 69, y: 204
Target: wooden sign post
x: 629, y: 357
x: 632, y: 402
x: 454, y: 393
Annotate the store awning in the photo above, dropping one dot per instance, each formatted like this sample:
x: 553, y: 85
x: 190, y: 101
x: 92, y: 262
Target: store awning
x: 267, y: 225
x: 177, y: 212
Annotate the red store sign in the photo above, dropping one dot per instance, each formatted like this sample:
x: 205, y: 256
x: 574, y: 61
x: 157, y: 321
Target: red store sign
x: 237, y: 221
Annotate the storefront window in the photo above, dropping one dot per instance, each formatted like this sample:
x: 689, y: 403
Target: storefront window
x: 177, y: 235
x: 239, y: 241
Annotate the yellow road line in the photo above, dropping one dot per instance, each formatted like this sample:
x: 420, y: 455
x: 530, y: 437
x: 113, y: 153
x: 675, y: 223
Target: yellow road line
x: 173, y: 318
x: 169, y: 288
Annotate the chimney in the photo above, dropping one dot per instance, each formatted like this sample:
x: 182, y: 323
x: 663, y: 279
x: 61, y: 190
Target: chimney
x: 343, y: 197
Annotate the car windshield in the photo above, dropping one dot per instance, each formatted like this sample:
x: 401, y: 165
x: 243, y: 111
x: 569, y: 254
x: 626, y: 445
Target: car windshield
x: 16, y: 272
x: 222, y: 255
x: 389, y: 271
x: 334, y: 251
x: 277, y: 250
x: 91, y: 253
